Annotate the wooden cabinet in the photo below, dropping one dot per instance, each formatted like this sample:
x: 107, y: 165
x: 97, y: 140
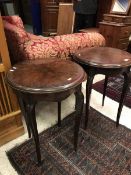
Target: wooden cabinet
x: 116, y: 34
x: 49, y: 15
x: 10, y: 116
x: 115, y: 28
x: 117, y: 18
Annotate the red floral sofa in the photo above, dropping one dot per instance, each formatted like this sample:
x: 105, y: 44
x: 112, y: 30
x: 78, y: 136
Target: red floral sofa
x: 26, y: 46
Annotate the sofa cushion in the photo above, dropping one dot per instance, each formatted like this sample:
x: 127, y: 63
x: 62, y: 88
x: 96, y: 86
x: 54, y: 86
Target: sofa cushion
x: 41, y: 48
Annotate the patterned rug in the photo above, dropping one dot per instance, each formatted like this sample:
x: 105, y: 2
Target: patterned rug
x: 103, y: 149
x: 114, y: 89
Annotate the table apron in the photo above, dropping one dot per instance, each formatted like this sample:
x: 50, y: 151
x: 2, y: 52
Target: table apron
x: 53, y: 97
x: 106, y: 71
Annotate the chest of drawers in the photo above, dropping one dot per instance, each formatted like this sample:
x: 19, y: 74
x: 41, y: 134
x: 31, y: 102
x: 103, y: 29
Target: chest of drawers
x: 49, y: 15
x: 116, y: 34
x: 117, y: 18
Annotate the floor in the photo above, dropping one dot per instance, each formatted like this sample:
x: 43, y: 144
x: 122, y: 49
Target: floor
x: 28, y: 28
x: 50, y: 117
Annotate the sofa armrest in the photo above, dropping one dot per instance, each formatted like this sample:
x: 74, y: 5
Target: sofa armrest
x: 14, y: 20
x: 16, y: 38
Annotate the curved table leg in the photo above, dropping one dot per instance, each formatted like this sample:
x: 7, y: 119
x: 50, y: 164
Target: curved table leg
x: 30, y: 107
x: 88, y: 94
x: 23, y: 110
x: 59, y: 113
x: 124, y: 92
x: 105, y: 87
x: 79, y: 109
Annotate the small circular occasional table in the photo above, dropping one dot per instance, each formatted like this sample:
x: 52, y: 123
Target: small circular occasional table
x: 107, y: 61
x: 51, y: 81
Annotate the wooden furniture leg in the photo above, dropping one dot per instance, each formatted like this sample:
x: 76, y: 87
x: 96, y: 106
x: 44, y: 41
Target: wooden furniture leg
x: 123, y: 95
x: 22, y: 107
x: 79, y: 109
x: 59, y: 113
x: 104, y: 91
x: 30, y: 108
x: 88, y: 94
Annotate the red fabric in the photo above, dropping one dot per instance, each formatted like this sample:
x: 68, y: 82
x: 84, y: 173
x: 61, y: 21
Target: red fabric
x: 28, y: 46
x: 15, y: 20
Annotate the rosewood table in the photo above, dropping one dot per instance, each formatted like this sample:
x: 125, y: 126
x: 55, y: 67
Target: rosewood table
x: 107, y: 61
x: 52, y: 81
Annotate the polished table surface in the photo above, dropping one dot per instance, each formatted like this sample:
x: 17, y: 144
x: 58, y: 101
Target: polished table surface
x: 48, y: 77
x: 103, y: 57
x: 46, y: 80
x: 107, y: 61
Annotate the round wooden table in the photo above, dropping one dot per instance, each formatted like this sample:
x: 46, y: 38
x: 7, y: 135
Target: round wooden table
x: 107, y: 61
x: 51, y: 81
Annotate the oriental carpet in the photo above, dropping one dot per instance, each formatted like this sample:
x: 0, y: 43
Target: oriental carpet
x: 114, y: 89
x: 103, y: 149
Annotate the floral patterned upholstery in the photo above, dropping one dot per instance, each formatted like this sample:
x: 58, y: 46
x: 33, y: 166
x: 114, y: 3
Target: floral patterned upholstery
x: 15, y: 20
x: 26, y: 46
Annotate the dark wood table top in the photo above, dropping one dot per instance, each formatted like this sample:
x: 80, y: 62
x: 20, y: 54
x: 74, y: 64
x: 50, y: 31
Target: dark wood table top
x: 37, y: 77
x: 104, y: 57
